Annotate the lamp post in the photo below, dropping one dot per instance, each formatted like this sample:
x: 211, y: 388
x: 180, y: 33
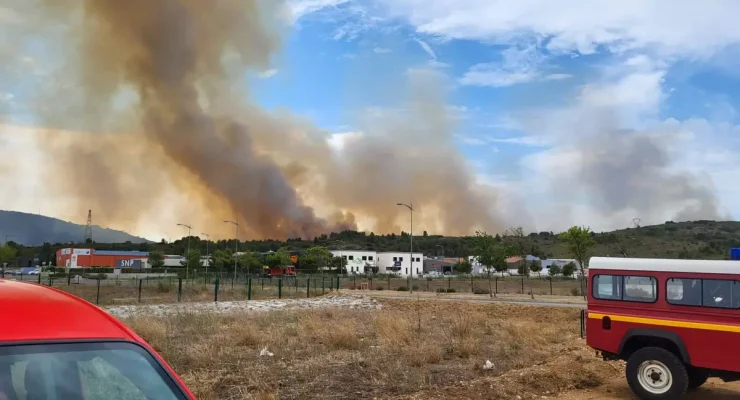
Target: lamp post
x: 236, y: 246
x: 208, y: 254
x: 411, y: 237
x: 187, y: 254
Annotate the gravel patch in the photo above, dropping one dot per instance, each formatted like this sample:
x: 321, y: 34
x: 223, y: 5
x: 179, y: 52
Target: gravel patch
x: 223, y: 307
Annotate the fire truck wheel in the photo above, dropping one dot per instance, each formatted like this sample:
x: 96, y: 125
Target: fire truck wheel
x: 654, y: 373
x: 697, y: 378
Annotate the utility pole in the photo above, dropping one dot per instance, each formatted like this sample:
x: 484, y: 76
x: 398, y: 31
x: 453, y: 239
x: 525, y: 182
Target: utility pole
x: 208, y: 254
x: 411, y: 237
x: 88, y: 228
x: 187, y: 254
x: 236, y: 246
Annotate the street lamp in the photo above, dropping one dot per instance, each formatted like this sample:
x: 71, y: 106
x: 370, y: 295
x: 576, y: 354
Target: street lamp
x: 208, y: 254
x: 187, y: 254
x: 236, y: 246
x: 411, y: 236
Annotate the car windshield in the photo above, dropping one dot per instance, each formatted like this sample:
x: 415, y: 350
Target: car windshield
x: 83, y: 371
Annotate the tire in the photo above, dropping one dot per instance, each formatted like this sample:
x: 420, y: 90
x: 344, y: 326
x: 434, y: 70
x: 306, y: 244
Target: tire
x: 697, y: 378
x: 654, y: 373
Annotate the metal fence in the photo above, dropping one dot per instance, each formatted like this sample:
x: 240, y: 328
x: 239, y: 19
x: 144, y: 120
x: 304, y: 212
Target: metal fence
x: 159, y: 288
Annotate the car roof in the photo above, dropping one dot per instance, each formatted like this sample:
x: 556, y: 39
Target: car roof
x: 32, y: 312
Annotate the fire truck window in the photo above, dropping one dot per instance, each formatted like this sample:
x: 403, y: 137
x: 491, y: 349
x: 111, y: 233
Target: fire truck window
x: 640, y: 288
x: 685, y: 292
x: 608, y: 287
x: 717, y: 293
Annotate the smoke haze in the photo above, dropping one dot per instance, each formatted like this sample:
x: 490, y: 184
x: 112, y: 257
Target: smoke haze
x: 151, y: 86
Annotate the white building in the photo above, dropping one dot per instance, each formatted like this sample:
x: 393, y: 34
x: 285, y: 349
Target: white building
x: 358, y: 261
x: 546, y: 264
x: 399, y: 263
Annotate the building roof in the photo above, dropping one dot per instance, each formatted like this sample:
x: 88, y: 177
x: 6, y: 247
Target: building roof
x: 513, y: 259
x: 35, y: 312
x: 121, y: 253
x: 665, y: 265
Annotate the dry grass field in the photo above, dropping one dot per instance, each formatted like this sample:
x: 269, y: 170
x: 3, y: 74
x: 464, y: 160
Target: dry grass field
x: 409, y: 350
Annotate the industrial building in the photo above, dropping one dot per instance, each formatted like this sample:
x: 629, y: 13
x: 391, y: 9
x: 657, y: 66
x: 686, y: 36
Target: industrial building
x: 86, y: 258
x: 368, y: 262
x: 358, y: 261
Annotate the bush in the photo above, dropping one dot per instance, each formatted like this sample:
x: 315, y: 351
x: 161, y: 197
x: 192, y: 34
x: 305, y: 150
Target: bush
x: 415, y: 287
x: 575, y: 292
x: 403, y: 289
x: 441, y: 290
x: 481, y: 291
x: 97, y: 277
x: 378, y: 288
x: 57, y: 275
x: 163, y: 287
x: 450, y: 290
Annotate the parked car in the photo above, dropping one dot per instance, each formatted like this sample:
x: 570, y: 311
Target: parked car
x: 56, y: 346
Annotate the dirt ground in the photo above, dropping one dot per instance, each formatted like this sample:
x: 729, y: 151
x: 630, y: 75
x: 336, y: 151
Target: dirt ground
x: 617, y: 389
x: 409, y: 350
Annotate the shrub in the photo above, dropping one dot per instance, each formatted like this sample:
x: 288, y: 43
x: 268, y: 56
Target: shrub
x: 441, y: 290
x: 378, y: 288
x: 481, y: 291
x: 575, y: 292
x: 451, y: 290
x: 403, y: 289
x: 415, y: 287
x: 163, y: 287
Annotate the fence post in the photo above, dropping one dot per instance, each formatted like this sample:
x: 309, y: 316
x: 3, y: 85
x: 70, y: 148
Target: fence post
x: 495, y: 290
x: 179, y: 289
x: 354, y: 282
x: 449, y: 284
x: 308, y: 286
x: 232, y: 281
x: 337, y: 283
x: 550, y: 286
x: 50, y: 284
x: 323, y: 284
x: 472, y: 285
x: 97, y: 296
x: 39, y: 277
x: 215, y: 291
x: 139, y: 298
x: 262, y: 281
x: 69, y: 278
x: 371, y: 283
x: 249, y: 288
x: 280, y: 288
x: 522, y: 285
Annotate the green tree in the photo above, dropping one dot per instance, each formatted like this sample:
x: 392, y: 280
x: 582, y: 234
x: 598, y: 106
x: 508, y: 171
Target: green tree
x: 318, y: 257
x: 7, y: 254
x: 578, y: 241
x: 279, y: 258
x: 535, y: 267
x: 156, y: 259
x: 489, y: 253
x: 222, y: 259
x: 555, y: 270
x: 462, y: 267
x: 192, y: 259
x: 519, y: 244
x: 250, y: 261
x: 569, y: 269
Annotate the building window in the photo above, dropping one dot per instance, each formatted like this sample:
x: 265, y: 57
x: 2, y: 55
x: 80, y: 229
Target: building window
x: 418, y: 259
x: 344, y: 257
x: 351, y: 257
x: 406, y: 271
x: 364, y: 258
x: 400, y: 258
x: 395, y: 258
x: 370, y: 258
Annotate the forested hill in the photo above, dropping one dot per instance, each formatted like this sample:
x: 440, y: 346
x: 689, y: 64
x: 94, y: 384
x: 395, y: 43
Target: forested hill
x: 697, y: 239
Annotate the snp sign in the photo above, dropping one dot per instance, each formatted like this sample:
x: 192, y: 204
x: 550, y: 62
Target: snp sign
x: 136, y: 264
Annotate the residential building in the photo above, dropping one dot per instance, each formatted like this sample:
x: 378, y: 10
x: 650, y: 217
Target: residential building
x: 546, y: 264
x: 440, y: 264
x: 400, y: 263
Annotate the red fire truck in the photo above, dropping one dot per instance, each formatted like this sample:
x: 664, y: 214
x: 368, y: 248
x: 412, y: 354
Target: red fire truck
x: 288, y: 270
x: 675, y: 322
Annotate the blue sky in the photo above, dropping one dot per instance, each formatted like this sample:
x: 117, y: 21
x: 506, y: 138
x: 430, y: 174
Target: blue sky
x: 575, y: 112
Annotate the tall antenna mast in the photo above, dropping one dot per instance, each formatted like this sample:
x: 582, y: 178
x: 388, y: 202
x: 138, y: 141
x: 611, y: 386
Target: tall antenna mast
x: 88, y: 227
x: 636, y: 222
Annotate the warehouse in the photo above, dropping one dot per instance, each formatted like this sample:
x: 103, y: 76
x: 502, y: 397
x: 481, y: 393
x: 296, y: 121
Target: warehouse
x: 85, y: 258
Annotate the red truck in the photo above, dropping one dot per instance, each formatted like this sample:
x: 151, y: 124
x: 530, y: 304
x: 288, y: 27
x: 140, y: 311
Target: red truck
x: 278, y: 271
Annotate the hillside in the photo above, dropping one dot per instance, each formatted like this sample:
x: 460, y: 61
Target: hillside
x: 697, y: 239
x: 34, y: 230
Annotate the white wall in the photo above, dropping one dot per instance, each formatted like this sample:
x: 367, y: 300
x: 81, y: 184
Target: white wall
x: 388, y: 260
x: 357, y: 261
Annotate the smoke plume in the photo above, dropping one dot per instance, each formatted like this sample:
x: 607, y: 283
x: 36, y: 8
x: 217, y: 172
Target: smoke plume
x: 155, y: 87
